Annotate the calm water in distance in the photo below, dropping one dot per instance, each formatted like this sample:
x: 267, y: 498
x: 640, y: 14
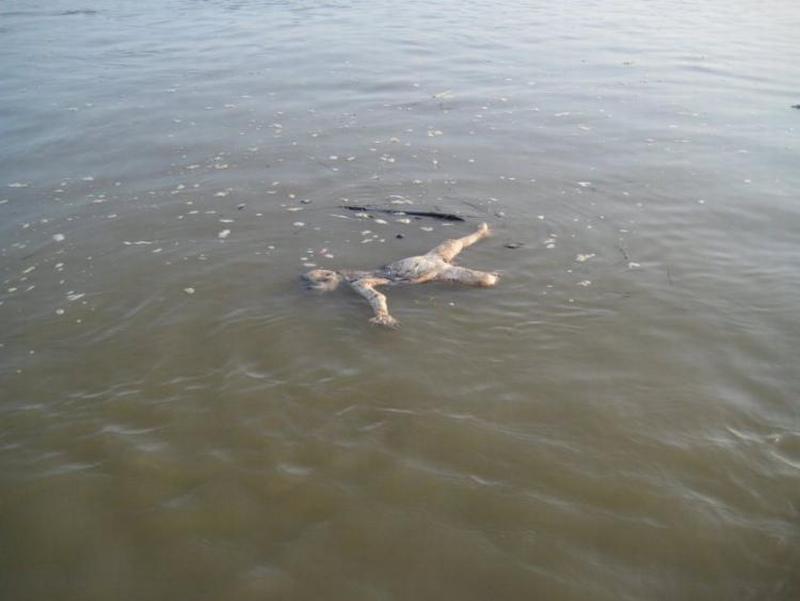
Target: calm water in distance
x: 618, y: 420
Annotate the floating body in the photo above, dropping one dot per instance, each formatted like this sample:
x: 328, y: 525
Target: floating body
x: 433, y: 266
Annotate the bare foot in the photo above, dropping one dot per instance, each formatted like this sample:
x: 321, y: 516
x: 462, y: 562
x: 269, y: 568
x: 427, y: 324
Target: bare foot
x: 490, y: 280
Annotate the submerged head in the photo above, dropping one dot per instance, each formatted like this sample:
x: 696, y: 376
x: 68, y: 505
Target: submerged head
x: 322, y: 280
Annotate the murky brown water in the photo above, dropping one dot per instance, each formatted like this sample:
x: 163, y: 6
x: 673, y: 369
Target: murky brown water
x: 619, y: 419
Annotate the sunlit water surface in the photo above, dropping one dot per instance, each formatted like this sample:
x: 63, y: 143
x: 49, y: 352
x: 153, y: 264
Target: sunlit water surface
x: 618, y: 419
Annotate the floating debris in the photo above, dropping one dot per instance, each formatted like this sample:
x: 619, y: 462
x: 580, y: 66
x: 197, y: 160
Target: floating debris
x: 633, y: 265
x: 58, y: 237
x: 224, y: 234
x: 298, y: 224
x: 585, y: 283
x: 514, y: 245
x: 189, y: 290
x: 584, y: 258
x: 434, y: 214
x: 18, y: 185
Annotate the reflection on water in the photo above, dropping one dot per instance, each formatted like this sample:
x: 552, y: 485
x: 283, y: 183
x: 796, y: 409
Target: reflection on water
x: 617, y: 420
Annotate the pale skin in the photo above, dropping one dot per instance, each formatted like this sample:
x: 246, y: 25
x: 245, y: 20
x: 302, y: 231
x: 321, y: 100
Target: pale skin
x: 434, y: 266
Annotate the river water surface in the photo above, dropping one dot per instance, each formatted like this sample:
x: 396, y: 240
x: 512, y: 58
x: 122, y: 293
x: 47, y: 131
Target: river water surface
x: 618, y: 419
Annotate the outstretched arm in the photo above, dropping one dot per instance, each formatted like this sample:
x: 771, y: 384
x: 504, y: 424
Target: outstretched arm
x: 366, y: 288
x: 448, y: 249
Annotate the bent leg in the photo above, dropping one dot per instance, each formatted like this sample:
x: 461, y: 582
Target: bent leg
x: 448, y: 249
x: 470, y: 277
x: 366, y: 288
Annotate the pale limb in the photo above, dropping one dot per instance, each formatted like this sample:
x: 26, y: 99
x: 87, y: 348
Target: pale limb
x: 470, y: 277
x: 366, y: 288
x: 449, y: 249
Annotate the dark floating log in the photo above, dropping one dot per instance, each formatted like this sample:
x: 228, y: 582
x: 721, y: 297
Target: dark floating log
x: 401, y: 212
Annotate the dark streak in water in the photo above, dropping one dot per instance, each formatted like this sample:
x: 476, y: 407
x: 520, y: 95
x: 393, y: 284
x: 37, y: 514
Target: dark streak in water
x: 400, y: 213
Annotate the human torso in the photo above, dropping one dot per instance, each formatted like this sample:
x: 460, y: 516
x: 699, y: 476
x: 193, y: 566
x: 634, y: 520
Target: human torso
x: 414, y: 269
